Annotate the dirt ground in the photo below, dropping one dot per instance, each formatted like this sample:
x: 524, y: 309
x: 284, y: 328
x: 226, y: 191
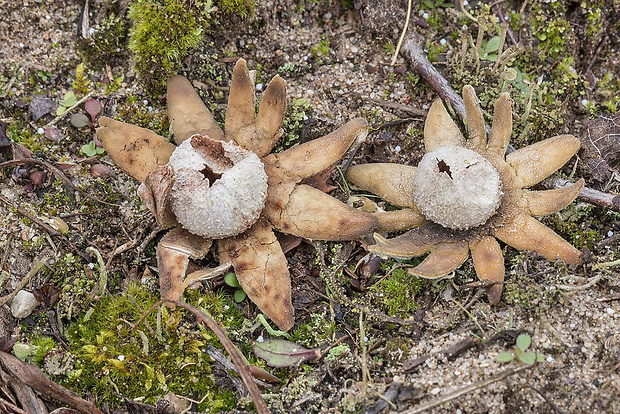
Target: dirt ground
x: 335, y: 58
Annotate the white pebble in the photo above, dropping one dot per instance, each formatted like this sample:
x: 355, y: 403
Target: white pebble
x: 435, y: 391
x: 425, y: 16
x: 465, y: 3
x: 584, y: 102
x: 610, y: 311
x: 549, y: 358
x: 121, y: 358
x: 397, y: 149
x: 260, y: 339
x: 443, y: 42
x: 259, y: 86
x: 610, y: 233
x: 23, y: 304
x: 40, y: 131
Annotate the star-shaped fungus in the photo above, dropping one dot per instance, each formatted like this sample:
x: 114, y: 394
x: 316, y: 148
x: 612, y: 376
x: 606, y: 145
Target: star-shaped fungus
x: 465, y: 194
x: 226, y: 186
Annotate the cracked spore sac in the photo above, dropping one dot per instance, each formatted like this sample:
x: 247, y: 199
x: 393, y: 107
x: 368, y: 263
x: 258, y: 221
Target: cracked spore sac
x: 456, y: 187
x: 601, y: 147
x: 224, y: 207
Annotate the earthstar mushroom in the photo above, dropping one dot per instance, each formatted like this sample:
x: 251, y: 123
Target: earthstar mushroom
x: 225, y: 185
x: 465, y: 194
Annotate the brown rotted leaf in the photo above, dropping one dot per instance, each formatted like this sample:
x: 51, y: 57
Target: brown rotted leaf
x: 601, y: 147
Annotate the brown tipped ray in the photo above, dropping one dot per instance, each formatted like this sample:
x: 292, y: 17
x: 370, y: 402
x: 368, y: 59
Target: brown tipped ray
x: 474, y: 189
x: 262, y: 271
x: 226, y: 186
x: 187, y: 113
x: 138, y: 151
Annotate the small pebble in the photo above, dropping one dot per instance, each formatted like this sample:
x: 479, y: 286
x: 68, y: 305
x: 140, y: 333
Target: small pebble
x: 443, y: 42
x: 610, y: 233
x: 435, y: 391
x: 610, y: 311
x: 584, y: 102
x: 23, y: 304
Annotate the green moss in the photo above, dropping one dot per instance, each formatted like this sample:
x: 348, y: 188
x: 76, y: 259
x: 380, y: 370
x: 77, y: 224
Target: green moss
x: 164, y: 353
x: 396, y: 293
x: 241, y: 8
x: 322, y: 49
x: 316, y: 332
x: 296, y: 113
x: 163, y: 33
x: 135, y: 111
x: 550, y: 28
x: 108, y: 42
x: 23, y: 134
x: 78, y: 284
x: 574, y: 223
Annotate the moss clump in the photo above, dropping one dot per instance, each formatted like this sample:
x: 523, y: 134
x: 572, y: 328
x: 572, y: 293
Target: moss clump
x: 316, y: 332
x: 108, y: 43
x: 396, y: 293
x: 163, y: 33
x: 164, y: 353
x: 296, y: 115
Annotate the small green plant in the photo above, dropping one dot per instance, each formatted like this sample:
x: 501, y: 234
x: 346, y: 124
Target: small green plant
x: 231, y: 280
x: 322, y: 49
x: 66, y: 102
x: 488, y: 50
x: 521, y: 353
x: 91, y: 149
x: 436, y: 4
x: 80, y: 83
x: 44, y: 75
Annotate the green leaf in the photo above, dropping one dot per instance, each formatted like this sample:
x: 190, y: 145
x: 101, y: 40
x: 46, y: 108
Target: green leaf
x: 89, y: 149
x: 60, y: 110
x: 231, y: 280
x: 239, y: 295
x: 523, y: 341
x: 505, y: 357
x: 79, y: 120
x: 528, y: 357
x: 429, y: 4
x: 280, y: 353
x: 540, y: 357
x: 69, y: 100
x: 492, y: 45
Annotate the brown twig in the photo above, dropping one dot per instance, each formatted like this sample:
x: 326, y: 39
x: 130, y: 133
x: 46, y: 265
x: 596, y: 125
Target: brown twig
x: 222, y: 335
x: 413, y: 51
x: 465, y: 390
x: 34, y: 378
